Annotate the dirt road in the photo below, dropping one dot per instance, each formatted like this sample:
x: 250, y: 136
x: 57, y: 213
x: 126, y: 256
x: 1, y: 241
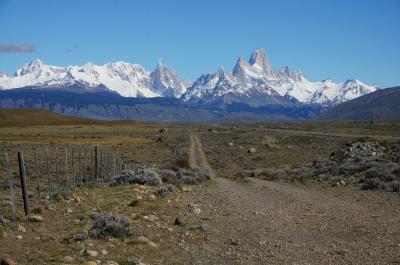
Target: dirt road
x: 198, y: 159
x: 262, y: 222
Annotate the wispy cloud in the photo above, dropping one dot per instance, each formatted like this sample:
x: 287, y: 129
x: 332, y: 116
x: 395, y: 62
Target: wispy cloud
x: 69, y: 50
x: 17, y: 48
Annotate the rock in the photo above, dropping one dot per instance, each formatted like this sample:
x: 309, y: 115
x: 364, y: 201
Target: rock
x: 251, y: 150
x: 134, y: 203
x: 90, y: 253
x: 144, y: 240
x: 68, y: 210
x: 35, y: 218
x: 152, y: 218
x: 196, y: 210
x: 7, y: 261
x: 103, y: 252
x: 19, y: 237
x: 234, y: 241
x: 21, y: 228
x: 342, y: 182
x: 68, y: 259
x: 230, y: 144
x: 177, y: 221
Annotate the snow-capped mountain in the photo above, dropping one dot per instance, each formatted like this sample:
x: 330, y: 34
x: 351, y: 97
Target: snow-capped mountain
x: 166, y: 82
x: 256, y: 82
x: 128, y: 80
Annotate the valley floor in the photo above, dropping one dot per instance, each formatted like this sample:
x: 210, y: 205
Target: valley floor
x: 226, y: 220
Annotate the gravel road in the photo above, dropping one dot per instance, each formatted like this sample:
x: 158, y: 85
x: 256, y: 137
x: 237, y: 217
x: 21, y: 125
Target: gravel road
x: 263, y: 222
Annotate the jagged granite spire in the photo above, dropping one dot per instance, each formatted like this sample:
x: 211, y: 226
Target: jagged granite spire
x: 259, y: 57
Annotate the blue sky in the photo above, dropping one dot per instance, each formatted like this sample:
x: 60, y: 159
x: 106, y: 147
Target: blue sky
x: 324, y: 39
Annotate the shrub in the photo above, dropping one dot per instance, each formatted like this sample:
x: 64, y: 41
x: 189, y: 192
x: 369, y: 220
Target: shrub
x: 3, y: 221
x: 109, y: 225
x: 143, y: 176
x: 183, y: 176
x: 163, y: 191
x: 372, y: 184
x: 395, y: 186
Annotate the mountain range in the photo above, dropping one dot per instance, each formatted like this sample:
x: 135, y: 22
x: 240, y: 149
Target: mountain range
x: 128, y: 80
x: 383, y: 104
x: 253, y: 86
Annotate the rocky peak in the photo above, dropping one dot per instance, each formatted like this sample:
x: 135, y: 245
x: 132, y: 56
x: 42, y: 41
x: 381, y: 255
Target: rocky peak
x: 30, y: 67
x: 221, y: 71
x: 259, y: 58
x: 166, y: 82
x: 239, y: 71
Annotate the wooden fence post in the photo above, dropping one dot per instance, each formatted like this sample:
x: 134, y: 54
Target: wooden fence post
x: 73, y: 167
x: 66, y: 167
x: 11, y: 185
x: 37, y: 175
x: 24, y: 186
x: 48, y: 173
x: 80, y: 165
x: 96, y: 160
x: 86, y: 162
x: 113, y: 164
x: 58, y: 173
x: 108, y: 165
x: 100, y: 164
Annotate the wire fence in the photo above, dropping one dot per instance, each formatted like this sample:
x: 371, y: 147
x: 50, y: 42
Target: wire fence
x: 46, y: 173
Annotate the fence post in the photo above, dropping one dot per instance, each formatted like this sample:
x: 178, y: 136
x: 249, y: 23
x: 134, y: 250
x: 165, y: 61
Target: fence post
x: 108, y: 165
x: 73, y: 167
x: 11, y: 185
x: 58, y: 173
x: 96, y: 163
x: 48, y: 173
x: 86, y: 161
x: 80, y: 165
x: 24, y: 186
x: 37, y: 175
x: 66, y: 167
x: 113, y: 164
x: 100, y: 155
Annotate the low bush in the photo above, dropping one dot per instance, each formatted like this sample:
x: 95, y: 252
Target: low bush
x: 143, y: 176
x: 109, y: 225
x: 372, y: 184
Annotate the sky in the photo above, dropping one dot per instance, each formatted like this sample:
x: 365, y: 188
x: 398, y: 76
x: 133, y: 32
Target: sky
x: 336, y: 40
